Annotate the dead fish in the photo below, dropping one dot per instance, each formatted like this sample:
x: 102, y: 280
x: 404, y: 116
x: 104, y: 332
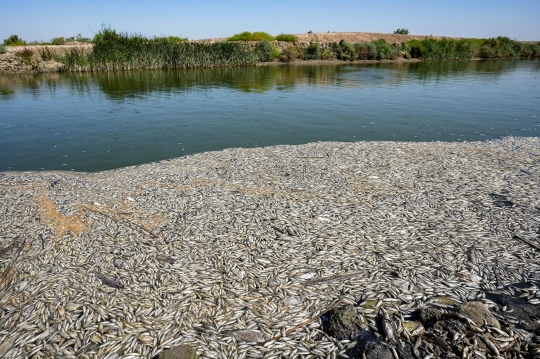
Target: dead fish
x: 118, y: 263
x: 198, y: 266
x: 110, y: 281
x: 164, y: 258
x: 249, y: 336
x: 7, y: 345
x: 492, y: 348
x: 293, y: 300
x: 389, y: 329
x: 307, y: 275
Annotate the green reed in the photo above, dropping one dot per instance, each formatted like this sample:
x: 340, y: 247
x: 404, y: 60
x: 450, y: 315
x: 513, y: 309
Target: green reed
x: 119, y: 51
x: 446, y: 49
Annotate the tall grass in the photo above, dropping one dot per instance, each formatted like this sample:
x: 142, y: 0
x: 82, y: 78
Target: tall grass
x: 121, y: 51
x: 446, y: 49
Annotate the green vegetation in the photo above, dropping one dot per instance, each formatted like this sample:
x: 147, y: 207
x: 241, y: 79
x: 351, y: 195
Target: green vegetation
x: 447, y: 49
x: 287, y: 38
x: 63, y: 41
x: 248, y: 36
x: 3, y: 49
x: 112, y: 51
x: 122, y: 51
x: 25, y: 55
x: 45, y: 53
x: 365, y: 51
x: 58, y: 41
x: 173, y: 39
x: 313, y: 51
x: 265, y: 51
x: 14, y: 40
x: 290, y: 53
x: 342, y: 50
x: 402, y: 31
x: 78, y: 38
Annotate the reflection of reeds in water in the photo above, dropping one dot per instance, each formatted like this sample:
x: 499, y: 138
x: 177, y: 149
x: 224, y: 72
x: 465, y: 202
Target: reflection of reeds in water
x: 128, y: 84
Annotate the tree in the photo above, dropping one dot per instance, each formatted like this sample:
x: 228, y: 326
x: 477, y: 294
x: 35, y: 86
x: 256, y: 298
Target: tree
x: 14, y: 40
x: 402, y: 31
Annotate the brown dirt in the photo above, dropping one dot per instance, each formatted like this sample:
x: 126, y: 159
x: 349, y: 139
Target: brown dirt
x: 353, y: 37
x: 60, y: 224
x: 13, y: 62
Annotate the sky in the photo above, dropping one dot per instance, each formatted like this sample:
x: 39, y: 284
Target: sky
x: 43, y: 20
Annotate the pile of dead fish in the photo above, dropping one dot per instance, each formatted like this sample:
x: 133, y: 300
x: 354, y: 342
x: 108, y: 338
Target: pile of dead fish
x: 502, y: 324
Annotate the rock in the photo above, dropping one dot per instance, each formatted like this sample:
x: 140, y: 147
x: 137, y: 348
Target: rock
x: 533, y: 327
x: 371, y: 346
x: 377, y: 350
x: 343, y: 323
x: 429, y: 316
x: 477, y: 311
x: 179, y: 352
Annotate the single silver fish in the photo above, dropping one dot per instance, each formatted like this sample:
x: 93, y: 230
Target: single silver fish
x: 389, y: 329
x: 249, y: 335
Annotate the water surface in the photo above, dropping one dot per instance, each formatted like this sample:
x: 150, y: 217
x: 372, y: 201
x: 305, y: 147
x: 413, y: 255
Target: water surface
x: 92, y: 122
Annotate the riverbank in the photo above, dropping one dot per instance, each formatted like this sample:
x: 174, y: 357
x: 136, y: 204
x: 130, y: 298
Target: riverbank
x: 192, y: 250
x: 112, y: 51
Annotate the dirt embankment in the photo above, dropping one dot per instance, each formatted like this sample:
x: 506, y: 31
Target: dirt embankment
x: 34, y: 59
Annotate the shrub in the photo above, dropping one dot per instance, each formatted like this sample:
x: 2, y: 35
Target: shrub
x: 365, y: 51
x: 58, y: 41
x: 14, y: 40
x: 3, y: 49
x: 45, y: 53
x: 25, y: 55
x: 384, y: 51
x: 287, y: 37
x: 310, y: 32
x: 177, y: 39
x: 77, y: 38
x: 265, y: 51
x: 313, y: 51
x: 487, y: 52
x: 170, y: 39
x: 343, y: 50
x: 248, y: 36
x: 445, y: 48
x: 290, y: 53
x: 243, y: 36
x: 501, y: 47
x: 535, y: 48
x: 402, y: 31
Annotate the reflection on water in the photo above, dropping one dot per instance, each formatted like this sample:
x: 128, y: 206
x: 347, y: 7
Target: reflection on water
x: 118, y: 85
x: 107, y: 120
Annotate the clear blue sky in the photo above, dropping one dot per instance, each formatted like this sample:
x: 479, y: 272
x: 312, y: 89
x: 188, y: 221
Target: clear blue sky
x: 43, y: 20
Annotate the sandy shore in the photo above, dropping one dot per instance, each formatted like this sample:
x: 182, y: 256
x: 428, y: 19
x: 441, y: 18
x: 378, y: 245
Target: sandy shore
x: 259, y: 239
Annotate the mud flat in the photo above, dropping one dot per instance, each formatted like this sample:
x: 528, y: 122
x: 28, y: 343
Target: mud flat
x: 223, y: 250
